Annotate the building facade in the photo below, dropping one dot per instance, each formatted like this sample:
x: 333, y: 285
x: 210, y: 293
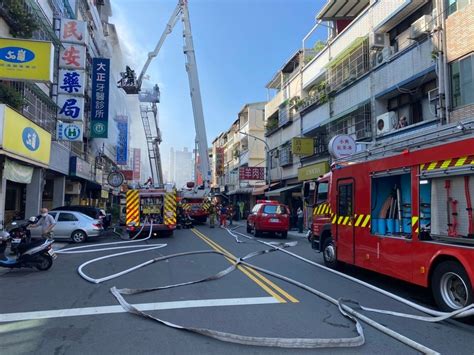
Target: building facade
x: 68, y: 171
x: 240, y: 152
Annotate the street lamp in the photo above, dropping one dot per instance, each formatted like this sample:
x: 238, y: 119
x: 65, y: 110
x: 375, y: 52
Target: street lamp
x: 267, y: 148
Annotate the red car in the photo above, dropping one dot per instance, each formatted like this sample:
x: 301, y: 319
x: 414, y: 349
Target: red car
x: 269, y: 216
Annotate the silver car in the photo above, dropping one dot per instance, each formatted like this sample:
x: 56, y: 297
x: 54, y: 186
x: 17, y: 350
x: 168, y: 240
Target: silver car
x: 72, y: 225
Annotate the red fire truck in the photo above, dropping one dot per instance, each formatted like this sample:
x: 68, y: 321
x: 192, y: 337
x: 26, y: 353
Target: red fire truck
x: 404, y: 210
x: 151, y: 207
x: 196, y: 203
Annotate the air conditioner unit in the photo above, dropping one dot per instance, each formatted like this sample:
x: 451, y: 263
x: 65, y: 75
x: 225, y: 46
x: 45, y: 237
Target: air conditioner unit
x: 378, y: 40
x: 73, y: 188
x: 381, y: 56
x: 385, y: 122
x: 433, y: 95
x: 421, y: 26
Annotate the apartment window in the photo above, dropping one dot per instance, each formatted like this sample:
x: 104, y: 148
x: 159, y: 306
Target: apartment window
x: 462, y: 81
x: 356, y: 123
x: 285, y: 155
x: 350, y: 67
x: 456, y: 5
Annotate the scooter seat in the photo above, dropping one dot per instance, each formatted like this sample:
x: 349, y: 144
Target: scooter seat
x: 34, y: 243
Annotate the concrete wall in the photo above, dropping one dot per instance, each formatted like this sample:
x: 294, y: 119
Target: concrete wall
x: 352, y: 96
x: 315, y: 117
x: 416, y: 60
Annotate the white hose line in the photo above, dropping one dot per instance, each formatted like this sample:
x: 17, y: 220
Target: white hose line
x: 293, y: 343
x: 143, y: 248
x: 74, y: 250
x: 126, y: 271
x: 464, y: 312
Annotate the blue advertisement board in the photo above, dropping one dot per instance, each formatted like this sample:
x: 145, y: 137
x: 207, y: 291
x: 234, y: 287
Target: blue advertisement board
x: 122, y: 142
x: 100, y: 97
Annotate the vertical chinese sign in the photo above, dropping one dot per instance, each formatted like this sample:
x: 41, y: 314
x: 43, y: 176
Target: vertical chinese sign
x: 122, y: 140
x: 136, y: 164
x: 71, y: 80
x: 219, y: 161
x: 100, y: 97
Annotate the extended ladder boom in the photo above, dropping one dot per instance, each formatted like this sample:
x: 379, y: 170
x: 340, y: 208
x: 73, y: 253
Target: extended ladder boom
x: 169, y: 28
x: 132, y: 86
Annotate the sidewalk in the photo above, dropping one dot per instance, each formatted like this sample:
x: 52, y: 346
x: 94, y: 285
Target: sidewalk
x: 292, y: 233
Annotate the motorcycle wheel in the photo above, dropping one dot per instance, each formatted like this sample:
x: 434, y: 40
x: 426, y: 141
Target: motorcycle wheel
x: 44, y: 262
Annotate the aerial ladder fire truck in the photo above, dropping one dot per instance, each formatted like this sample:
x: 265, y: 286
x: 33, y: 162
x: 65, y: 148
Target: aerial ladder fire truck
x: 403, y: 209
x: 132, y: 85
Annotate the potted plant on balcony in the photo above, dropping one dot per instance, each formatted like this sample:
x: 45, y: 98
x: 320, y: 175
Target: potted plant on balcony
x: 21, y: 22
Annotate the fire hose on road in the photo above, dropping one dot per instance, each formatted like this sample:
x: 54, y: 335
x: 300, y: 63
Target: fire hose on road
x: 346, y: 307
x: 87, y: 249
x: 436, y: 316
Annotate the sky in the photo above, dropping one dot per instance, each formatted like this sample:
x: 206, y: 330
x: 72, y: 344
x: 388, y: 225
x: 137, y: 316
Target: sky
x: 239, y: 46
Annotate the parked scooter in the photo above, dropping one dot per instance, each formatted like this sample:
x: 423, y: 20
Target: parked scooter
x: 20, y: 233
x: 38, y: 253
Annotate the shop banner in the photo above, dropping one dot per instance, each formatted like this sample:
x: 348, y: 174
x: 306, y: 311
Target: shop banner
x: 72, y: 132
x: 302, y: 146
x: 19, y: 173
x: 25, y: 139
x: 72, y: 56
x: 100, y: 97
x: 71, y: 82
x: 122, y: 142
x: 80, y: 168
x: 70, y: 107
x: 219, y: 161
x: 26, y: 60
x: 313, y: 171
x: 73, y: 31
x: 252, y: 173
x: 127, y: 174
x: 136, y: 163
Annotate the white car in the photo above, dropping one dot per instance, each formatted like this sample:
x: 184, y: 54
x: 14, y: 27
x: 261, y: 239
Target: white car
x: 72, y: 225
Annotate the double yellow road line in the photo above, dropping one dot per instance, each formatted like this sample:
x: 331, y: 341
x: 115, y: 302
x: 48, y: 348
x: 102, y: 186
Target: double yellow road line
x: 269, y: 287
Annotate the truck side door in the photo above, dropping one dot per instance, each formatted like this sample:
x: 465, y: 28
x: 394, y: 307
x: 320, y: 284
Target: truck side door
x: 345, y: 233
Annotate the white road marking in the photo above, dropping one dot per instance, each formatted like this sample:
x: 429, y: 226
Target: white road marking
x: 88, y: 311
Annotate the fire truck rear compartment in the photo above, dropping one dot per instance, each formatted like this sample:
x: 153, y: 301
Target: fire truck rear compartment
x: 391, y: 201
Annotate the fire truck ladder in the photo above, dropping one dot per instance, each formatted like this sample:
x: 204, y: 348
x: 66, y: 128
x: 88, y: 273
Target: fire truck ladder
x: 153, y: 142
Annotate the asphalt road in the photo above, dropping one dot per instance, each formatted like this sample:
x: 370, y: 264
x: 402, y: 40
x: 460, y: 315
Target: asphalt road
x: 57, y: 312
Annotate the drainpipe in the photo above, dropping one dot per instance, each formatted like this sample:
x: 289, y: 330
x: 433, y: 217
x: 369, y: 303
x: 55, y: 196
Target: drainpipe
x: 441, y: 63
x: 447, y: 86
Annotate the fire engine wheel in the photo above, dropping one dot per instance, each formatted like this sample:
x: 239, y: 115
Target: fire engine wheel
x: 329, y: 253
x: 451, y: 286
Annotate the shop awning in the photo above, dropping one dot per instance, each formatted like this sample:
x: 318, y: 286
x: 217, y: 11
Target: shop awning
x: 277, y: 192
x: 241, y: 190
x: 341, y: 9
x: 260, y: 190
